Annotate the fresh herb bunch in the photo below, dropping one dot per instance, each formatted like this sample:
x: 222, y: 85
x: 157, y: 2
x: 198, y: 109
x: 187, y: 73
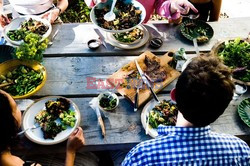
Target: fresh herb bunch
x: 236, y: 55
x: 32, y: 48
x: 77, y: 11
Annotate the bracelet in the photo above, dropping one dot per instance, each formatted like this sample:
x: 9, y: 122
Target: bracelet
x: 60, y: 10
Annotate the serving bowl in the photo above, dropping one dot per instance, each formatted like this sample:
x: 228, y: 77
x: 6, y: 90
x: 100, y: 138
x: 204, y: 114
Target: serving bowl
x: 244, y: 111
x: 14, y: 63
x: 109, y: 94
x: 221, y: 45
x: 16, y: 23
x: 198, y: 29
x: 6, y: 52
x: 108, y: 3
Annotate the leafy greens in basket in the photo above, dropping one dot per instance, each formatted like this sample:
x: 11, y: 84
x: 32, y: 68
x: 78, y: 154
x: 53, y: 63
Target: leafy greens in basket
x: 236, y: 55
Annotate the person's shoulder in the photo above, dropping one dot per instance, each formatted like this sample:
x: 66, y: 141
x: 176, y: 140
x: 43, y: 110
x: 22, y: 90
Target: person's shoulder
x: 140, y: 154
x: 154, y: 142
x: 13, y: 161
x: 225, y: 137
x: 231, y: 140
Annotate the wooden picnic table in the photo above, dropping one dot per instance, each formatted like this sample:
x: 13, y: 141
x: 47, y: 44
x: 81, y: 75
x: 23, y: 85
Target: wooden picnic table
x: 70, y: 63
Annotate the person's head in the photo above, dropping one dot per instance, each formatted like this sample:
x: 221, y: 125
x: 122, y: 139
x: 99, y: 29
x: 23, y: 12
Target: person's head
x: 10, y: 120
x: 204, y: 90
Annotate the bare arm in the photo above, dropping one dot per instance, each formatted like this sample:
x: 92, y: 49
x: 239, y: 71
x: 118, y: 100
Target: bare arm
x: 62, y: 4
x: 61, y: 7
x: 3, y: 18
x: 70, y: 158
x: 1, y: 6
x: 215, y: 12
x: 75, y: 141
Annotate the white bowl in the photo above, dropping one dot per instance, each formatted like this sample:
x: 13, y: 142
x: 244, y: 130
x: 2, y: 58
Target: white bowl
x: 16, y: 23
x: 111, y: 94
x: 101, y: 5
x: 134, y: 42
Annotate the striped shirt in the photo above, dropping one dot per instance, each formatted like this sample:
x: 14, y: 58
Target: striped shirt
x: 187, y: 146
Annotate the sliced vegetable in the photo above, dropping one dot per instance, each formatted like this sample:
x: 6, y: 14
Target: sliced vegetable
x: 24, y: 80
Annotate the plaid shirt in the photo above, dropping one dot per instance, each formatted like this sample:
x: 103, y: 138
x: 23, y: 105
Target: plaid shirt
x: 189, y: 146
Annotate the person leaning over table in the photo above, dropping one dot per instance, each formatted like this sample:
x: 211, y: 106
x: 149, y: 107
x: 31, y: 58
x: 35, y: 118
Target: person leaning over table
x: 34, y: 7
x: 209, y: 9
x: 203, y: 91
x: 170, y: 9
x: 10, y: 122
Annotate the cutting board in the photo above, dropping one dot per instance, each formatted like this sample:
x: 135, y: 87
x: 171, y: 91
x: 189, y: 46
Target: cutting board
x: 118, y: 79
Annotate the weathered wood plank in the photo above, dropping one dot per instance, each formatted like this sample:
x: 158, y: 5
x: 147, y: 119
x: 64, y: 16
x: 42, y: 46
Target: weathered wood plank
x: 124, y: 127
x: 69, y: 76
x: 72, y: 38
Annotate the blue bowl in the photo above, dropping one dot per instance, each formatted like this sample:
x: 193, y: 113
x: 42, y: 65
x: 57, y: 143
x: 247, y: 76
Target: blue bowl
x: 6, y: 53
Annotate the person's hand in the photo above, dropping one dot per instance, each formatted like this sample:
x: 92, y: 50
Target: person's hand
x: 51, y: 15
x: 4, y: 20
x: 76, y: 140
x: 102, y: 1
x: 181, y: 6
x: 92, y: 3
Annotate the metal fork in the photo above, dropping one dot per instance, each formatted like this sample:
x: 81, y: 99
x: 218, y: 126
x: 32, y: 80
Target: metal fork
x: 30, y: 128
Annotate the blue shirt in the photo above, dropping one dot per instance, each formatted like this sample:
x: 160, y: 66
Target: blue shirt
x: 184, y: 146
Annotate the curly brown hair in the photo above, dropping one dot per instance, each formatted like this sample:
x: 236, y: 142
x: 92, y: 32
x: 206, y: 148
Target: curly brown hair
x: 8, y: 124
x: 204, y: 90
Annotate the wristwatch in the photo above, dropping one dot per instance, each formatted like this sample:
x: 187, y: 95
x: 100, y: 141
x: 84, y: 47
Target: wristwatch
x: 58, y: 9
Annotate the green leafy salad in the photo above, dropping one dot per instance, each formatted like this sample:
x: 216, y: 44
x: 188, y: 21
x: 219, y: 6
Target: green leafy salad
x: 236, y: 55
x: 31, y: 25
x: 129, y: 37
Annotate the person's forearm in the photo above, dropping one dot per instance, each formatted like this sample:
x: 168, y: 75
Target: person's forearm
x: 162, y: 7
x: 70, y: 158
x: 62, y: 4
x: 1, y: 6
x: 215, y: 12
x: 89, y: 3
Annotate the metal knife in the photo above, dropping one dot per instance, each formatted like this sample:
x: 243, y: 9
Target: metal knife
x: 94, y: 106
x: 146, y: 81
x: 101, y: 123
x: 101, y: 37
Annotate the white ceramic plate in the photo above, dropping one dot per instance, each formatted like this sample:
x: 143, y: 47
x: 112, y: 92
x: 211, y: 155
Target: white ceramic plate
x: 144, y: 114
x: 138, y: 44
x: 101, y: 5
x: 16, y: 23
x: 36, y: 135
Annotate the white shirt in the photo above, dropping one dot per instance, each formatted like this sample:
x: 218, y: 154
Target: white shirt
x: 30, y: 7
